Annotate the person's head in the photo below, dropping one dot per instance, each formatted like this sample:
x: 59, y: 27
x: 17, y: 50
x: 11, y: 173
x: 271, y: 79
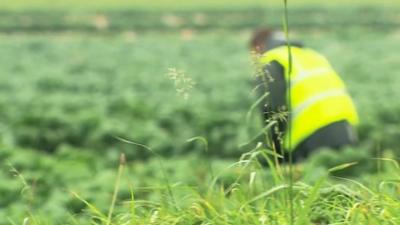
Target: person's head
x: 259, y: 40
x: 263, y: 37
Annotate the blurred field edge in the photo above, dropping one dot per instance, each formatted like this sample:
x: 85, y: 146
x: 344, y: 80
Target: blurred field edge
x: 37, y: 20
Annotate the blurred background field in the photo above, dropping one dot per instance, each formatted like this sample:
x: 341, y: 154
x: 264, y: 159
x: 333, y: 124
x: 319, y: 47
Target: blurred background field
x: 139, y: 15
x: 74, y: 75
x: 182, y: 5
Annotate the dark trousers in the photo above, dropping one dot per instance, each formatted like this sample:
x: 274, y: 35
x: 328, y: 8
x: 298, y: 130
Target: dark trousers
x: 335, y: 136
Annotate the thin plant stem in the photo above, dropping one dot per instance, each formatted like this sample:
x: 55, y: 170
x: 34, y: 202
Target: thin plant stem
x: 122, y: 162
x: 162, y: 167
x: 289, y: 108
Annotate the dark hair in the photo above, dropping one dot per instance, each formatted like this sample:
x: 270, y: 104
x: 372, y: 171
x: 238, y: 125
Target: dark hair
x: 258, y: 41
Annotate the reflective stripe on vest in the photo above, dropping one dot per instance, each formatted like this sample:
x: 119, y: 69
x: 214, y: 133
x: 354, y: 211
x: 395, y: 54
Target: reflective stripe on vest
x: 321, y: 97
x: 318, y: 95
x: 309, y: 74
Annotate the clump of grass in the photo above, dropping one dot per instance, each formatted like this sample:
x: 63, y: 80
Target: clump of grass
x: 257, y: 196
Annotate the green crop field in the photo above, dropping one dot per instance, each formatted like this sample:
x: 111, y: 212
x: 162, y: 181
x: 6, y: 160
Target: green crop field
x: 180, y: 4
x: 82, y: 82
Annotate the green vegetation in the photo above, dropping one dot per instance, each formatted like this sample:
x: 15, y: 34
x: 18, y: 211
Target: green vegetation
x: 209, y: 19
x: 68, y: 96
x: 138, y: 15
x: 75, y: 93
x: 82, y: 90
x: 244, y: 192
x: 179, y: 4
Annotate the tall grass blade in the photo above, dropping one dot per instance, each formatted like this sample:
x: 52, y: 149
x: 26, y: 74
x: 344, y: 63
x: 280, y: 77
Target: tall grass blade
x: 342, y: 167
x: 162, y: 167
x: 205, y: 143
x: 91, y: 207
x: 122, y: 162
x: 289, y: 124
x: 265, y: 194
x: 313, y: 196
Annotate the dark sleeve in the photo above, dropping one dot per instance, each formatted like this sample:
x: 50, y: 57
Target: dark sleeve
x: 276, y: 85
x: 273, y: 82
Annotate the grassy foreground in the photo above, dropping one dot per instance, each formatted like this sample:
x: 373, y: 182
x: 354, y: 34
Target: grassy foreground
x: 215, y: 192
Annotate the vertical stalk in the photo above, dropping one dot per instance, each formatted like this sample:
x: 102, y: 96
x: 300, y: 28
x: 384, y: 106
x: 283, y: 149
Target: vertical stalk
x: 122, y: 162
x: 289, y: 126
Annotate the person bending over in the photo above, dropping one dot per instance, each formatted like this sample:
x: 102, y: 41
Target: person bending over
x: 321, y: 111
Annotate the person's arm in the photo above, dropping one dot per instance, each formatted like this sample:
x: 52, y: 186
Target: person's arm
x: 276, y: 85
x: 273, y: 82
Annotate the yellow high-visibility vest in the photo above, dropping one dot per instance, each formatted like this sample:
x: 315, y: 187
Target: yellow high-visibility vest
x: 318, y: 95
